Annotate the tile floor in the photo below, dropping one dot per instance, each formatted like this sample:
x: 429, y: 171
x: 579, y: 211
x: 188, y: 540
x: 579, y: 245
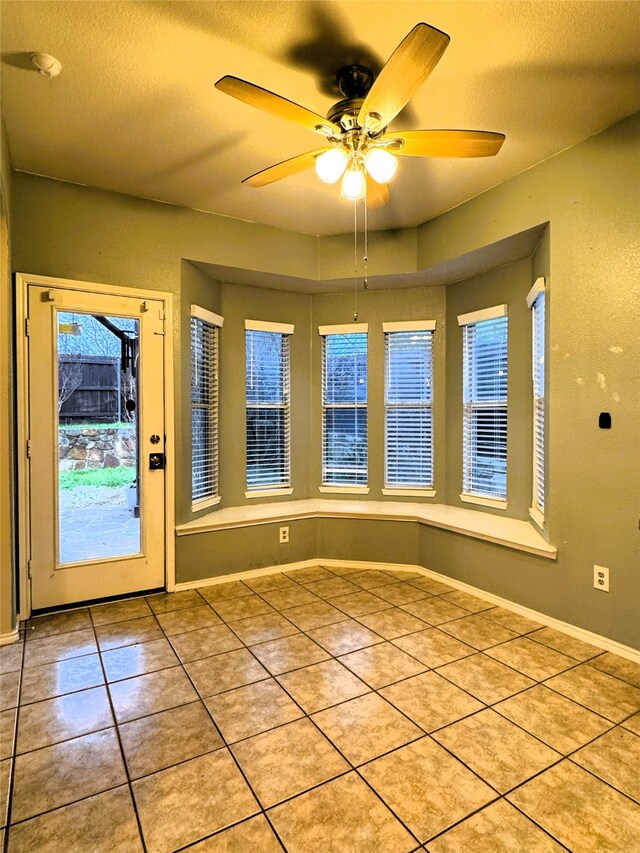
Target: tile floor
x: 319, y: 711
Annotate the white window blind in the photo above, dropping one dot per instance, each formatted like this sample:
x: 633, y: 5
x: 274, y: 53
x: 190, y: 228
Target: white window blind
x: 538, y: 335
x: 204, y: 409
x: 268, y: 409
x: 344, y: 409
x: 484, y: 466
x: 408, y: 409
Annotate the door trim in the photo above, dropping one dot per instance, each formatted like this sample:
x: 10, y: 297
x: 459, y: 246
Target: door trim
x: 23, y: 280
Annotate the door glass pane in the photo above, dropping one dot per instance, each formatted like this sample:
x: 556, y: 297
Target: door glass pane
x: 98, y: 461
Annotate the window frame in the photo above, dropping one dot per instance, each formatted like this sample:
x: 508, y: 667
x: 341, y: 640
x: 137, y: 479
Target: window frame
x: 215, y: 322
x: 536, y: 302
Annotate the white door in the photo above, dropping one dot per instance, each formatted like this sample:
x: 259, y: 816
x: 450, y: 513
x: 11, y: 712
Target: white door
x: 96, y: 448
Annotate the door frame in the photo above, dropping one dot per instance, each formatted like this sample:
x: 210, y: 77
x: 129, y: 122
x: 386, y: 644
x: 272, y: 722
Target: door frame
x: 23, y: 280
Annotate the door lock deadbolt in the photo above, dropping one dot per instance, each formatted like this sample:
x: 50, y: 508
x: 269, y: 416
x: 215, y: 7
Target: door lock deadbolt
x: 156, y: 461
x: 155, y: 439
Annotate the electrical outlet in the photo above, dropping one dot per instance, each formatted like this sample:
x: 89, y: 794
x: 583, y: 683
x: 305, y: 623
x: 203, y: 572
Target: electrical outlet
x: 601, y: 578
x: 284, y: 535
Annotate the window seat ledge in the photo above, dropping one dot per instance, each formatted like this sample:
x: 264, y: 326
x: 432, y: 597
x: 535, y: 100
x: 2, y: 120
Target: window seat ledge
x: 508, y: 532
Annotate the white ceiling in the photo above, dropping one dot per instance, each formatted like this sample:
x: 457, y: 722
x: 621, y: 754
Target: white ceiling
x: 135, y: 110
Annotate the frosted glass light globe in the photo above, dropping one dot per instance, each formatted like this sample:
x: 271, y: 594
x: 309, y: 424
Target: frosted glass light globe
x: 381, y: 165
x: 331, y: 164
x: 353, y: 184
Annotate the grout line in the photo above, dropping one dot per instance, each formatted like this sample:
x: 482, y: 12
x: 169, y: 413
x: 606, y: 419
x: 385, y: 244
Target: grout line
x: 14, y: 744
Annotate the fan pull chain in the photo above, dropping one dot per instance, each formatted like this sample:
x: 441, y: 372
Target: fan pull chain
x: 365, y: 257
x: 355, y: 261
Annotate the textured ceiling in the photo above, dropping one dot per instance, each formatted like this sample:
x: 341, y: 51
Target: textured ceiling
x: 135, y: 110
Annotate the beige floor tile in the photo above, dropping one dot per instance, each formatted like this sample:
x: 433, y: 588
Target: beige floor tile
x: 311, y: 575
x: 433, y: 647
x: 426, y: 787
x: 317, y: 615
x: 5, y: 779
x: 332, y: 587
x: 392, y: 623
x: 250, y: 836
x: 382, y: 664
x: 292, y: 596
x: 138, y: 660
x: 321, y: 685
x: 289, y: 653
x: 401, y: 574
x: 170, y: 737
x: 269, y: 582
x: 615, y: 758
x: 241, y: 608
x: 633, y: 724
x: 128, y: 633
x: 583, y: 813
x: 485, y: 678
x: 190, y: 619
x: 498, y: 828
x: 224, y: 591
x: 430, y: 701
x: 319, y: 821
x: 625, y: 670
x: 151, y: 693
x: 344, y: 637
x: 400, y: 593
x: 99, y: 823
x: 497, y: 750
x: 566, y: 644
x: 119, y: 611
x: 195, y: 645
x: 288, y: 760
x: 56, y: 679
x: 57, y: 623
x: 511, y: 620
x: 69, y: 771
x: 479, y: 632
x: 63, y: 718
x: 532, y: 659
x: 7, y: 731
x: 11, y: 657
x: 359, y: 603
x: 9, y: 689
x: 225, y: 671
x: 369, y: 579
x: 194, y: 799
x: 167, y: 601
x: 344, y: 571
x: 434, y: 610
x: 467, y: 601
x: 552, y: 718
x: 261, y: 629
x: 366, y: 727
x: 602, y: 693
x: 60, y: 647
x: 253, y: 709
x: 432, y: 586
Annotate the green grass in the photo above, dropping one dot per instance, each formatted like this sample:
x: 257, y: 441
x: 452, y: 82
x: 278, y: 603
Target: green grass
x: 112, y: 478
x: 116, y: 425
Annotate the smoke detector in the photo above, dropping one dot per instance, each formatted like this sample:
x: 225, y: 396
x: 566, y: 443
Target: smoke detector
x: 45, y: 64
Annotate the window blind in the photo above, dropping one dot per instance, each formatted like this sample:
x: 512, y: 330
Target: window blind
x: 538, y: 336
x: 204, y: 409
x: 408, y: 409
x: 268, y: 409
x: 344, y: 409
x: 485, y: 408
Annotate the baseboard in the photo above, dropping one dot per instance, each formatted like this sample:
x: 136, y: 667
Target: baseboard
x: 583, y: 634
x: 10, y: 637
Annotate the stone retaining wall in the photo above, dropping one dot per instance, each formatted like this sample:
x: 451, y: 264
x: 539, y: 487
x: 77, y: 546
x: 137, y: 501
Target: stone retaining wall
x: 107, y: 447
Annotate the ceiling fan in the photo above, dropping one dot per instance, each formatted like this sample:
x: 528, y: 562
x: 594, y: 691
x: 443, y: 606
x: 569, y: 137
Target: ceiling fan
x: 361, y: 149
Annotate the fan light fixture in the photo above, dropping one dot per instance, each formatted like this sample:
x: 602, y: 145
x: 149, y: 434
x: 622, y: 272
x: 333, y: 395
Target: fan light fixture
x: 381, y: 165
x: 330, y: 166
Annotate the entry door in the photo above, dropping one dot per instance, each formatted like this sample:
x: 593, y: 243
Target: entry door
x: 96, y: 445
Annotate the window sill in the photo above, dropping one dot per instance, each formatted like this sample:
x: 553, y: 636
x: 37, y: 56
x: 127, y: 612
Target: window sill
x: 344, y: 490
x: 492, y: 502
x: 268, y: 493
x: 537, y: 517
x: 205, y: 503
x: 410, y: 493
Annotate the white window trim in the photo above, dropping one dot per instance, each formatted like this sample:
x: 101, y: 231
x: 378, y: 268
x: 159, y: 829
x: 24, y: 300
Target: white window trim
x: 410, y: 493
x: 474, y: 499
x: 268, y: 493
x: 344, y: 490
x: 208, y: 316
x: 205, y: 503
x: 484, y: 314
x: 410, y: 326
x: 536, y: 516
x: 346, y: 329
x: 266, y: 326
x: 539, y: 286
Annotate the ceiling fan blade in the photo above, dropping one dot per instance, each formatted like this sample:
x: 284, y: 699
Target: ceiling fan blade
x: 284, y: 169
x: 377, y: 194
x: 445, y: 143
x: 406, y: 69
x: 255, y: 96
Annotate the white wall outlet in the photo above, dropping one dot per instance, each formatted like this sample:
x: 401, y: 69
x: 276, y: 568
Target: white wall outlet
x: 284, y: 536
x: 601, y: 578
